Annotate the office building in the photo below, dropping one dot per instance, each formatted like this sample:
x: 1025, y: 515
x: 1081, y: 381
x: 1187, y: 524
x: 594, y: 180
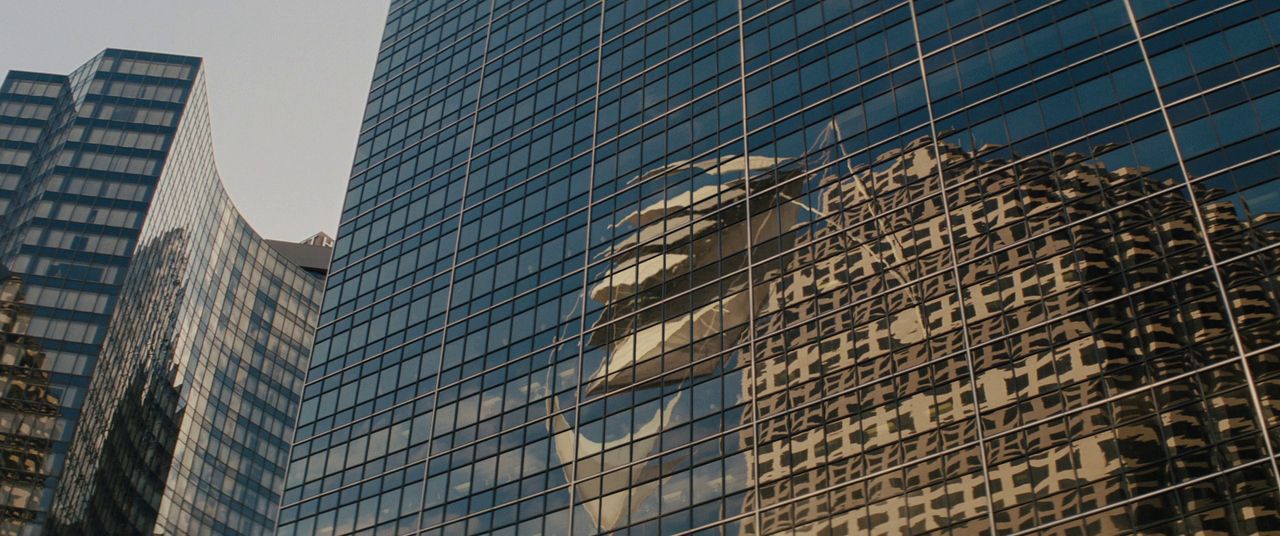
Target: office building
x: 153, y: 342
x: 839, y: 267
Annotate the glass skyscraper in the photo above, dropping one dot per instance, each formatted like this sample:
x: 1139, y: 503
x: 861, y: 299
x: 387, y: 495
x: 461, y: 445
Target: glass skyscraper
x: 806, y: 267
x: 152, y: 347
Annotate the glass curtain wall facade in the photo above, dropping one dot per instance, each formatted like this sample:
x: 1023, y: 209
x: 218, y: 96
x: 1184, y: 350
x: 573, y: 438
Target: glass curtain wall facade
x: 154, y: 346
x: 29, y: 418
x: 75, y: 197
x: 809, y: 267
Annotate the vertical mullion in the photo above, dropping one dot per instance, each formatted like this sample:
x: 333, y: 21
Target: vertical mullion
x: 453, y: 267
x: 749, y: 354
x: 955, y: 273
x: 1203, y: 228
x: 586, y: 274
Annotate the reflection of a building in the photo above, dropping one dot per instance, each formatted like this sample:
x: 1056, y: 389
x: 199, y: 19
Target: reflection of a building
x: 28, y: 410
x: 190, y: 409
x: 683, y: 244
x: 171, y: 335
x: 83, y: 155
x: 1079, y: 283
x: 837, y: 267
x: 1097, y: 360
x: 135, y: 432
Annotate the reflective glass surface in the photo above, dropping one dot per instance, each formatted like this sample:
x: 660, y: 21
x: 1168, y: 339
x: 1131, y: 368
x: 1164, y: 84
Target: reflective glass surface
x: 153, y: 343
x: 809, y: 267
x: 30, y: 407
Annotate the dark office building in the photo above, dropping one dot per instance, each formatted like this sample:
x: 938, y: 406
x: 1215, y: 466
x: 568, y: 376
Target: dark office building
x: 810, y: 267
x: 153, y: 344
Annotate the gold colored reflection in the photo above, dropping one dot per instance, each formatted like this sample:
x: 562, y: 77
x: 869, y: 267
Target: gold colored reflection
x: 1077, y: 283
x: 28, y: 412
x: 1042, y: 338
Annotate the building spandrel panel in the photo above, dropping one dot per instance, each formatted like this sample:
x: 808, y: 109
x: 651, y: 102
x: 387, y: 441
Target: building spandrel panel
x: 821, y: 268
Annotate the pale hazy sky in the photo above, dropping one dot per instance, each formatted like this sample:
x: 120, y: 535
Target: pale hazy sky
x: 287, y: 83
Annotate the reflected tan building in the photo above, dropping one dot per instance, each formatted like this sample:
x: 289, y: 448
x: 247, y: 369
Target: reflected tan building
x: 867, y: 413
x: 836, y: 268
x: 153, y: 342
x: 867, y: 418
x: 28, y: 411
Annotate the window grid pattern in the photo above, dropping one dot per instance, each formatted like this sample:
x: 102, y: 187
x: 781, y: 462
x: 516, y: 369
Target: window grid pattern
x: 859, y: 266
x: 152, y: 346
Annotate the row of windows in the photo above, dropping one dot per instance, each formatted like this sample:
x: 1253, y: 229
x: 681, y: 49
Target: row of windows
x: 66, y: 362
x: 530, y: 318
x: 133, y: 90
x: 661, y: 38
x: 380, y: 501
x: 519, y: 23
x: 34, y: 88
x: 63, y: 298
x: 78, y: 241
x: 115, y: 163
x: 533, y: 105
x: 25, y: 110
x: 1159, y: 16
x: 424, y: 258
x: 689, y: 77
x: 108, y: 189
x: 66, y: 330
x: 128, y: 114
x: 19, y: 133
x: 944, y: 23
x: 83, y: 270
x: 442, y: 90
x: 431, y: 171
x: 420, y: 385
x: 14, y: 157
x: 152, y: 141
x: 145, y: 68
x: 783, y: 32
x: 96, y: 215
x: 524, y: 209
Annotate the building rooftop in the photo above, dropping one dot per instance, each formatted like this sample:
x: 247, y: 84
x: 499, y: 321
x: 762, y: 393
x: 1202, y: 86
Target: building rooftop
x: 311, y: 254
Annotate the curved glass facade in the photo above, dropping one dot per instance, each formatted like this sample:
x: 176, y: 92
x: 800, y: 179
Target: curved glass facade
x: 151, y: 318
x: 826, y: 267
x: 82, y: 157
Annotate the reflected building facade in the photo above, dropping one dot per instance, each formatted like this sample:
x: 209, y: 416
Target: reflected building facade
x: 153, y: 341
x: 28, y: 420
x: 841, y: 267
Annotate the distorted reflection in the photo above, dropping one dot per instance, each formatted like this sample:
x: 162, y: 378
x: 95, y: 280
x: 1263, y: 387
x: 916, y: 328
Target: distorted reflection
x: 682, y: 245
x: 1063, y: 303
x: 28, y: 410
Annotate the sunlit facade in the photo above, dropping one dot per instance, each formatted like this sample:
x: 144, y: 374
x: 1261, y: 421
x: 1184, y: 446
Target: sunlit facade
x: 153, y: 342
x: 837, y: 267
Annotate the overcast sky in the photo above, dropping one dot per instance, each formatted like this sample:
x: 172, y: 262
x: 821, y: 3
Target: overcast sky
x: 287, y: 83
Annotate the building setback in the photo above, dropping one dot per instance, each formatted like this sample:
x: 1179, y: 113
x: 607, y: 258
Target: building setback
x: 154, y: 341
x: 839, y: 267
